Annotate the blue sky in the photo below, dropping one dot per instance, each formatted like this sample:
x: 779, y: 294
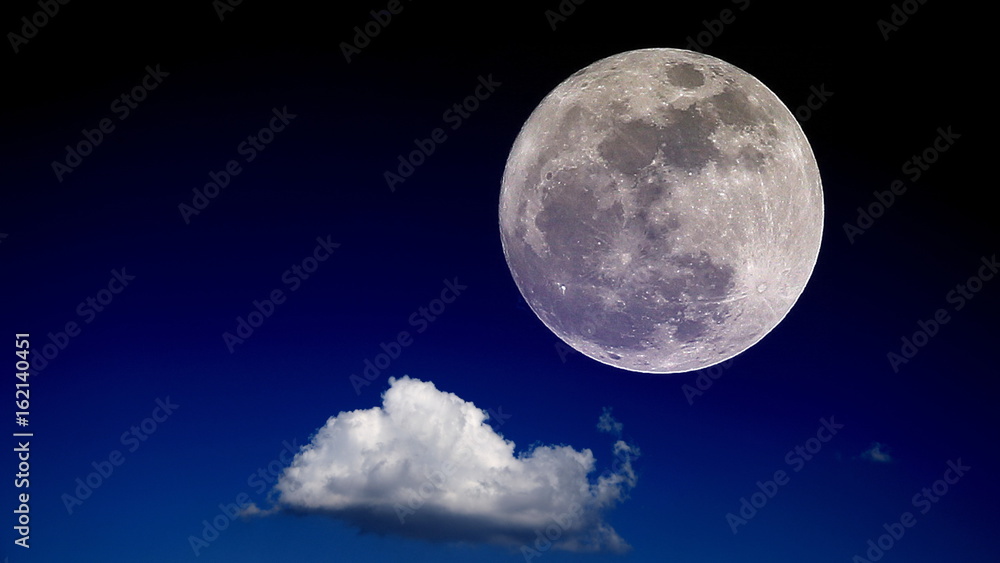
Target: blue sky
x: 145, y: 396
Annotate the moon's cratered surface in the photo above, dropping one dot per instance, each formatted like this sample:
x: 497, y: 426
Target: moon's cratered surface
x: 661, y: 210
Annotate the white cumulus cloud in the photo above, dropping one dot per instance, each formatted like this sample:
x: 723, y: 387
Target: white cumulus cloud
x: 427, y: 465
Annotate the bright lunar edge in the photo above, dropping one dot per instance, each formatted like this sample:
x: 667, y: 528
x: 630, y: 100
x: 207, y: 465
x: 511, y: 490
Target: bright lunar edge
x: 661, y: 210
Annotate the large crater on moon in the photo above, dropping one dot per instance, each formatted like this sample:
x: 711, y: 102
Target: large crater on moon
x: 661, y: 210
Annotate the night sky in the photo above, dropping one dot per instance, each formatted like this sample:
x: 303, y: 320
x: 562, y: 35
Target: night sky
x: 202, y: 233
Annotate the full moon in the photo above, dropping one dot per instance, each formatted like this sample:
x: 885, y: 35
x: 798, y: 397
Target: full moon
x: 661, y: 211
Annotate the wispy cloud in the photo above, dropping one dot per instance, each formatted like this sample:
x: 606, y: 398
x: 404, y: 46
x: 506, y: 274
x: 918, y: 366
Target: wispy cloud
x: 607, y: 423
x: 427, y: 465
x: 877, y: 453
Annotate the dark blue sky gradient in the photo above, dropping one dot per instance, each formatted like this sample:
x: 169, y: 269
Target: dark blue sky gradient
x: 322, y: 176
